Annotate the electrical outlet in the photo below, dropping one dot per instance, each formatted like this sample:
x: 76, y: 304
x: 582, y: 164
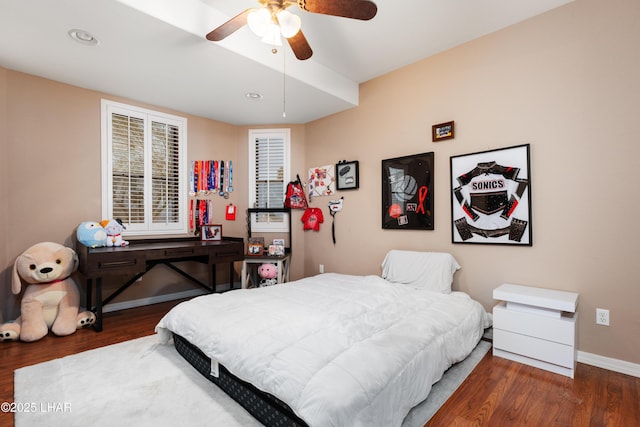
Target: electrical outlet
x: 602, y: 316
x: 321, y: 268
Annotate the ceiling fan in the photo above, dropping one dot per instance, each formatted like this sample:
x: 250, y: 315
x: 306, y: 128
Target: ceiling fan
x: 272, y: 20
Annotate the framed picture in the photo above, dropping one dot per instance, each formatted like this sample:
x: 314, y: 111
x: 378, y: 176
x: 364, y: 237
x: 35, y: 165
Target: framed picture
x: 442, y: 131
x: 255, y: 246
x: 407, y: 192
x: 211, y: 232
x: 347, y: 175
x: 491, y: 197
x: 321, y: 181
x: 279, y: 247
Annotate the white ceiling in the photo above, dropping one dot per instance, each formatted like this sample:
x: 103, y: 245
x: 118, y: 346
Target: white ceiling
x: 154, y: 51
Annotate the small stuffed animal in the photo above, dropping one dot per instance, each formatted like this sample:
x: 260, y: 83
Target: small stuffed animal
x: 114, y: 229
x: 51, y: 299
x: 268, y: 273
x: 91, y: 234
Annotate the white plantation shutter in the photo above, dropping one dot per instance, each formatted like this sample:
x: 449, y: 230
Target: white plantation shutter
x: 165, y: 176
x: 269, y: 175
x: 127, y: 169
x: 144, y: 178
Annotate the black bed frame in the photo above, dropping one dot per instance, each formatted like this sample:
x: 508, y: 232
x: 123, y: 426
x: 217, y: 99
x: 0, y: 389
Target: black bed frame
x: 266, y: 408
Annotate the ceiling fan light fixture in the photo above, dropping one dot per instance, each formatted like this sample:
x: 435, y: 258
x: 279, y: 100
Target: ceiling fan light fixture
x: 289, y: 23
x: 258, y: 21
x: 272, y: 36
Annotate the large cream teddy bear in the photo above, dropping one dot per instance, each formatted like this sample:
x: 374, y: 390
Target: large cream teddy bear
x: 51, y: 299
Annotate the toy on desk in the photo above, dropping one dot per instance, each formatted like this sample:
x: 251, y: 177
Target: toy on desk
x: 51, y: 300
x: 268, y: 273
x: 91, y: 234
x: 114, y: 229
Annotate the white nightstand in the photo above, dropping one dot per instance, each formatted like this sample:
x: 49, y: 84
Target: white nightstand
x: 536, y: 326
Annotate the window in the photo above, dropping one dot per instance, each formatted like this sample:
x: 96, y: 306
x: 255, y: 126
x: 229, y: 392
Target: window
x: 269, y: 164
x: 144, y: 169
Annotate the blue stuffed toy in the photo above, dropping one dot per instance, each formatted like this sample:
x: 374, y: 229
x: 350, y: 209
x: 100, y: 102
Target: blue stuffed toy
x: 92, y: 234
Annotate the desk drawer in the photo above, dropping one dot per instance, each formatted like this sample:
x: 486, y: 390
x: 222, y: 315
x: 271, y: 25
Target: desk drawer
x: 116, y: 263
x: 174, y: 253
x: 227, y: 253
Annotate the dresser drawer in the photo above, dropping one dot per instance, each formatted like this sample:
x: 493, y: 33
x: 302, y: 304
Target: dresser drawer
x: 535, y: 348
x: 560, y: 330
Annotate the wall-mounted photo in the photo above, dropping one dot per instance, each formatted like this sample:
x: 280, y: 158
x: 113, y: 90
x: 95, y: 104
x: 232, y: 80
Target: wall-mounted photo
x: 211, y: 232
x: 491, y: 197
x: 442, y: 131
x: 347, y: 175
x: 407, y: 192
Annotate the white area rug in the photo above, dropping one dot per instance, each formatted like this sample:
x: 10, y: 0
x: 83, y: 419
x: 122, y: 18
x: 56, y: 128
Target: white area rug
x: 142, y: 383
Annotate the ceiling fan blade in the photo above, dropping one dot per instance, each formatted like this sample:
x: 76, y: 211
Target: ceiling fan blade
x: 300, y: 46
x: 229, y: 27
x: 356, y: 9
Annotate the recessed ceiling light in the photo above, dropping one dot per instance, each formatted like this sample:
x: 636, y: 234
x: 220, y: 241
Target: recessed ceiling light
x: 84, y: 37
x: 254, y: 96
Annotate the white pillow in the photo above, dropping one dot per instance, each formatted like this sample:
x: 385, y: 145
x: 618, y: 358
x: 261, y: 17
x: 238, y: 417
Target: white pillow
x: 432, y: 271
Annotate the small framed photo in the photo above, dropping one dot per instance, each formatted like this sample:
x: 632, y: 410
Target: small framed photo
x: 211, y: 232
x: 347, y: 175
x: 272, y: 250
x: 255, y: 246
x: 442, y: 131
x: 279, y: 247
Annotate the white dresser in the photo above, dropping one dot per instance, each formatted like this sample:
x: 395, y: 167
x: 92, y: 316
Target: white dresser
x: 536, y: 326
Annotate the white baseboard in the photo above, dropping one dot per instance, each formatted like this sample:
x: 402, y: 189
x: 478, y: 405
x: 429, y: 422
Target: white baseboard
x: 615, y: 365
x: 117, y: 306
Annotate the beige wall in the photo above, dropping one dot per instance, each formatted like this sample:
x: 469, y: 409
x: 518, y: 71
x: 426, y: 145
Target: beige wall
x: 298, y: 150
x: 50, y: 176
x: 4, y: 191
x: 565, y: 82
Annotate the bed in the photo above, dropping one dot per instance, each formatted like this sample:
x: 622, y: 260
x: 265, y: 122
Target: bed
x: 333, y: 349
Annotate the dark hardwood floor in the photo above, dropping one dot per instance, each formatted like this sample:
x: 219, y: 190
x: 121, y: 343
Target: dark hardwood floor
x: 497, y: 393
x: 500, y: 392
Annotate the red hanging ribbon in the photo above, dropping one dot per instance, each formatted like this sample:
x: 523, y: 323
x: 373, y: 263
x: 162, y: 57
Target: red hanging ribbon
x: 422, y: 195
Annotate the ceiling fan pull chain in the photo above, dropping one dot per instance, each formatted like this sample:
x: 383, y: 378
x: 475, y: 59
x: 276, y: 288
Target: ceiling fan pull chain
x: 284, y: 85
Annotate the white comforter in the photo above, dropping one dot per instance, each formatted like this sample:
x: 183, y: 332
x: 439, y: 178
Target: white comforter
x: 340, y: 350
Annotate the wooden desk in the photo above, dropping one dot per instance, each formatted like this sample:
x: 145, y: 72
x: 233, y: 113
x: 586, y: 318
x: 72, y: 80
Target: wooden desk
x: 141, y: 256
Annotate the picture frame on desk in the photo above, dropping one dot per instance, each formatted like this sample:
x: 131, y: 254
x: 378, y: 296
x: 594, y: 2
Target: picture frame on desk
x: 255, y: 246
x: 278, y: 247
x: 211, y: 232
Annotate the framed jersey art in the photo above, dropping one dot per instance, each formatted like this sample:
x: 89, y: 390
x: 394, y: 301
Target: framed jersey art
x: 491, y: 197
x: 407, y: 192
